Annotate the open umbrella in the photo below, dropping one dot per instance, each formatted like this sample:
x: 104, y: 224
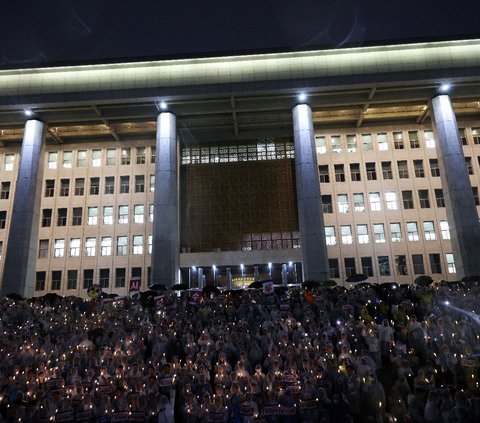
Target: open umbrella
x: 209, y: 290
x: 14, y: 296
x: 423, y: 280
x: 179, y: 287
x: 473, y: 278
x: 357, y: 277
x: 256, y: 285
x: 158, y: 287
x: 310, y: 284
x: 328, y: 283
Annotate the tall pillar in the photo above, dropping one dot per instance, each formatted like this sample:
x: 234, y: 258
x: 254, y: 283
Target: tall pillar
x: 310, y: 216
x: 21, y: 253
x: 457, y: 190
x: 165, y: 243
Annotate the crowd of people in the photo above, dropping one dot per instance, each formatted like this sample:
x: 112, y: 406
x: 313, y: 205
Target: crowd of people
x: 366, y: 354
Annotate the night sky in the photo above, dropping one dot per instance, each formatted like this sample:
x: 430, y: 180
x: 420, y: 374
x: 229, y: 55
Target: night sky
x: 52, y: 31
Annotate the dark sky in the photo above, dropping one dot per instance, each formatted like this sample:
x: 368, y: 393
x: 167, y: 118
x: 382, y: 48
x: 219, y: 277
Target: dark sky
x: 48, y: 31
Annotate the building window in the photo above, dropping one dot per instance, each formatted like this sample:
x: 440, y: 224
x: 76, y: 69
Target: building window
x: 138, y: 212
x: 72, y: 278
x: 382, y: 142
x: 62, y: 217
x: 137, y: 244
x: 59, y: 248
x: 412, y: 231
x: 391, y: 200
x: 43, y: 246
x: 358, y: 202
x: 475, y: 196
x: 90, y: 246
x: 152, y: 207
x: 475, y: 133
x: 3, y: 219
x: 371, y: 171
x: 74, y: 250
x: 330, y: 237
x: 139, y: 183
x: 109, y: 184
x: 418, y: 168
x: 429, y: 230
x: 321, y: 145
x: 444, y: 229
x: 111, y: 156
x: 125, y: 156
x: 40, y: 278
x: 468, y: 163
x: 379, y: 231
x: 424, y: 199
x: 96, y: 158
x: 124, y: 184
x: 346, y: 233
x: 56, y: 280
x: 407, y: 198
x: 92, y: 216
x: 342, y: 203
x: 52, y: 159
x: 401, y: 265
x: 81, y: 158
x: 429, y: 140
x: 434, y: 169
x: 418, y: 267
x: 352, y: 143
x: 402, y: 169
x: 152, y: 183
x: 87, y: 278
x: 323, y: 174
x: 367, y: 142
x: 396, y: 232
x: 450, y: 263
x: 334, y: 268
x: 9, y: 161
x: 462, y: 136
x: 384, y: 265
x: 350, y: 268
x: 435, y: 263
x: 137, y: 273
x: 79, y: 186
x: 150, y: 242
x: 77, y: 216
x: 123, y: 214
x: 375, y: 204
x: 49, y: 188
x: 140, y: 155
x: 367, y: 266
x: 339, y: 173
x: 398, y: 141
x: 439, y: 199
x: 362, y: 233
x: 327, y: 206
x: 387, y: 170
x: 355, y: 172
x: 106, y: 246
x: 107, y: 215
x: 120, y: 277
x: 104, y: 278
x: 336, y: 144
x: 94, y: 186
x: 413, y: 138
x: 64, y: 187
x: 5, y: 194
x: 121, y: 245
x: 46, y: 218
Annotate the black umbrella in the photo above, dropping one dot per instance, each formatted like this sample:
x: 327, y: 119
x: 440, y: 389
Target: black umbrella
x: 364, y: 285
x: 14, y: 296
x: 471, y: 278
x: 209, y: 290
x: 328, y: 283
x: 256, y: 285
x: 357, y: 277
x: 51, y: 298
x: 389, y: 285
x: 158, y: 287
x: 310, y: 284
x: 423, y: 280
x: 179, y: 287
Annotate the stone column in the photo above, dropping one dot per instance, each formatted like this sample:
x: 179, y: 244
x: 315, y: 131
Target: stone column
x: 21, y: 253
x: 310, y: 215
x: 165, y: 247
x: 457, y: 190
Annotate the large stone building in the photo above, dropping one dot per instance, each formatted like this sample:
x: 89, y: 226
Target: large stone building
x: 314, y: 165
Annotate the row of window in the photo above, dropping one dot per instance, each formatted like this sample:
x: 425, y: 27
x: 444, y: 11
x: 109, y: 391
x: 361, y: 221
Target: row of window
x: 103, y: 278
x: 94, y: 185
x: 391, y: 200
x: 401, y: 268
x: 91, y: 248
x: 107, y: 215
x: 364, y: 234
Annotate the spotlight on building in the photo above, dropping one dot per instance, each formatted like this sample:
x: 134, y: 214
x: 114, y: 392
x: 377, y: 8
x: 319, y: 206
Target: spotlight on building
x: 28, y: 112
x: 445, y: 88
x: 290, y: 263
x: 302, y: 97
x: 163, y: 105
